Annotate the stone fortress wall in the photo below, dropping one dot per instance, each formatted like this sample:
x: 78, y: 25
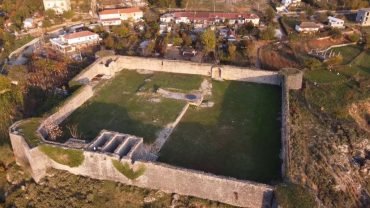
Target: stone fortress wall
x: 112, y: 64
x: 157, y: 175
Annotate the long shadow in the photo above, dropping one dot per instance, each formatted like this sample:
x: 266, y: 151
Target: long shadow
x: 96, y: 116
x: 242, y: 140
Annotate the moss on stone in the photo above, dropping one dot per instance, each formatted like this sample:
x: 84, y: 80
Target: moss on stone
x: 28, y: 130
x: 69, y: 157
x: 125, y: 169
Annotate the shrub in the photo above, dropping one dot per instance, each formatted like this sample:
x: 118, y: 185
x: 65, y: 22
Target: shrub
x: 125, y: 169
x: 354, y: 37
x: 292, y: 195
x: 69, y: 157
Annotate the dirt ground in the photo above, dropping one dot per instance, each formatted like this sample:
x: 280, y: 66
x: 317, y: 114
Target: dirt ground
x: 277, y: 57
x: 360, y: 112
x: 322, y: 44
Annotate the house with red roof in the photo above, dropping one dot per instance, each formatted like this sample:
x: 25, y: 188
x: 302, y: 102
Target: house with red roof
x: 73, y: 41
x: 110, y: 17
x: 209, y: 18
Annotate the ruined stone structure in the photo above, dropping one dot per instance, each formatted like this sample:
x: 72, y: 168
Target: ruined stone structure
x: 109, y: 146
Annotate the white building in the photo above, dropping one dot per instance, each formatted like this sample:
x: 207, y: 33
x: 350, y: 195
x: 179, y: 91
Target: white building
x: 204, y: 19
x: 335, y: 22
x: 308, y: 27
x: 59, y: 6
x: 287, y: 3
x: 116, y: 16
x: 28, y: 23
x: 363, y: 17
x: 71, y: 42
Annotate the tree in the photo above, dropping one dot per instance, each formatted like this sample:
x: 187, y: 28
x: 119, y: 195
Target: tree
x: 68, y: 14
x: 268, y: 33
x: 354, y: 37
x: 208, y: 39
x: 232, y: 51
x: 335, y: 33
x: 10, y: 100
x: 367, y: 43
x: 309, y: 11
x: 177, y: 41
x: 335, y: 60
x: 270, y: 14
x: 187, y: 41
x: 109, y: 42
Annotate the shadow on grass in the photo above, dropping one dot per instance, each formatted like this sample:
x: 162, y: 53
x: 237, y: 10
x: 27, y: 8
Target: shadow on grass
x: 240, y: 137
x: 97, y: 116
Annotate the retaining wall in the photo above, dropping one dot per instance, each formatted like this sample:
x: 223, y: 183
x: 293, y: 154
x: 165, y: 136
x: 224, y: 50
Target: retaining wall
x: 156, y: 176
x: 118, y: 63
x: 285, y: 132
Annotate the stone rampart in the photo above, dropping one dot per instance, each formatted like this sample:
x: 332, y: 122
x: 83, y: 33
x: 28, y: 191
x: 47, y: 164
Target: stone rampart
x: 285, y: 132
x: 70, y: 105
x: 112, y: 64
x: 156, y: 176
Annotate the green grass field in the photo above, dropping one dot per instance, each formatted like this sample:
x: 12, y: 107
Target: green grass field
x: 335, y: 92
x: 348, y: 52
x: 238, y: 137
x: 123, y: 104
x: 324, y: 76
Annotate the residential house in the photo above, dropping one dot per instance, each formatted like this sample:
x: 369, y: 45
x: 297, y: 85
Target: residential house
x: 287, y: 3
x: 73, y: 41
x: 115, y: 16
x: 28, y: 23
x: 308, y: 27
x: 59, y: 6
x: 363, y: 17
x: 335, y: 22
x: 204, y: 19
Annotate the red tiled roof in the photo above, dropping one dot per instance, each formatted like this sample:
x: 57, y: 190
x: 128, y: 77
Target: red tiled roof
x: 214, y: 15
x: 120, y: 11
x: 309, y: 25
x: 79, y: 34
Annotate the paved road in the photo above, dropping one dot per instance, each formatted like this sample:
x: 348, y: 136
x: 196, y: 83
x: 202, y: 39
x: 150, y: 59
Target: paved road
x: 297, y: 13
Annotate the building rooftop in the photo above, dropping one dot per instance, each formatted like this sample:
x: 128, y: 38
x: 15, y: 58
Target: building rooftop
x: 78, y: 34
x: 309, y: 25
x: 213, y: 15
x: 365, y: 9
x: 120, y: 11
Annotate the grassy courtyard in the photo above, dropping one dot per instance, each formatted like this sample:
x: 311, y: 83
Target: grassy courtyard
x: 125, y: 104
x: 238, y: 137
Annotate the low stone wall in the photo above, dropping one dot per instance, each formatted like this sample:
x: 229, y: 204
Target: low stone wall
x: 70, y: 105
x: 285, y: 133
x: 112, y: 64
x: 156, y: 176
